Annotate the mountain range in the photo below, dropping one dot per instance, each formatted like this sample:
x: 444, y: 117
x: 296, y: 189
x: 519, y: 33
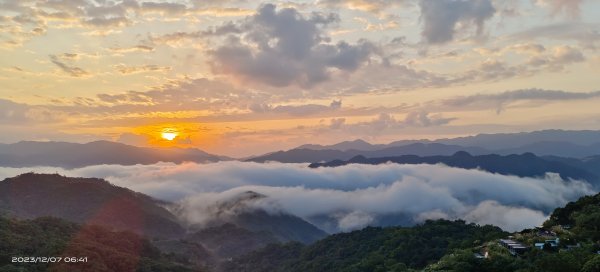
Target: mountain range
x: 74, y: 155
x: 523, y: 165
x: 558, y: 143
x: 497, y: 141
x: 570, y: 144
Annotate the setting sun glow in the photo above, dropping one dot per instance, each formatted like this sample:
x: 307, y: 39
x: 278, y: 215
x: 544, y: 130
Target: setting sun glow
x: 169, y: 136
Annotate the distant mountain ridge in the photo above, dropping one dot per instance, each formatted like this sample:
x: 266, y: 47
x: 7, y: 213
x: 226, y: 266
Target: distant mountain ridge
x: 309, y: 155
x: 74, y: 155
x: 524, y: 165
x: 495, y: 141
x: 562, y: 143
x: 357, y: 144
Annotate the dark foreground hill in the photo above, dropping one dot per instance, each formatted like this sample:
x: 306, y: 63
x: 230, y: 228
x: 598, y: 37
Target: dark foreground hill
x: 524, y: 165
x: 95, y: 249
x: 74, y: 155
x: 86, y: 201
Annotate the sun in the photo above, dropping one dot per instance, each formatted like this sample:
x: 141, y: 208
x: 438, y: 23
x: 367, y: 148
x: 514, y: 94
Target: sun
x: 169, y: 136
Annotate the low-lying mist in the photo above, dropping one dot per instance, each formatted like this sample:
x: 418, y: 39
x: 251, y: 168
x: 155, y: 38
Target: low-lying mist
x: 343, y: 198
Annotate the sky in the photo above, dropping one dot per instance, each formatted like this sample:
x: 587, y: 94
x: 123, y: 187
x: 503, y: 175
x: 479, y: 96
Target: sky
x: 245, y: 77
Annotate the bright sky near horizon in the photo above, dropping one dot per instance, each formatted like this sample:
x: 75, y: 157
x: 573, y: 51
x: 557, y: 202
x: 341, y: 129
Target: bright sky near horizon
x: 246, y: 77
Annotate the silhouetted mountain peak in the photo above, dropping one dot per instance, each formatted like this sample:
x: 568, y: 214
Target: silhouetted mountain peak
x: 462, y: 154
x: 244, y: 211
x: 358, y: 159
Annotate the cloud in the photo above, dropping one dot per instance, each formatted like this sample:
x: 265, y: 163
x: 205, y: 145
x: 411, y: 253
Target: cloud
x: 351, y: 196
x: 424, y: 119
x: 375, y: 6
x: 511, y: 218
x: 137, y: 48
x: 296, y: 110
x: 586, y: 34
x: 336, y: 123
x: 441, y: 17
x: 176, y: 38
x: 283, y: 47
x: 569, y: 7
x: 123, y: 69
x: 567, y: 55
x: 26, y: 115
x: 184, y: 94
x: 412, y: 119
x: 11, y: 112
x: 70, y: 70
x: 164, y: 8
x: 500, y: 101
x: 531, y: 48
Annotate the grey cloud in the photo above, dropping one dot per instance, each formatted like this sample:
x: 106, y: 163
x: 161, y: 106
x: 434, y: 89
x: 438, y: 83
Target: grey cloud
x: 123, y: 69
x: 560, y: 57
x: 283, y: 47
x: 440, y: 17
x: 96, y: 14
x: 528, y: 48
x: 70, y: 70
x: 296, y: 110
x: 169, y: 8
x: 352, y: 196
x: 569, y: 7
x: 129, y: 97
x: 586, y: 34
x: 375, y: 6
x: 424, y: 119
x: 22, y: 114
x: 173, y: 38
x: 142, y: 48
x: 567, y: 55
x: 412, y: 119
x: 541, y: 60
x: 107, y: 13
x: 336, y: 123
x: 11, y: 112
x: 500, y: 101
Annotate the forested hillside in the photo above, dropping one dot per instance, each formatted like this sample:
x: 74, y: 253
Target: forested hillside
x: 446, y: 246
x: 96, y: 249
x: 371, y: 249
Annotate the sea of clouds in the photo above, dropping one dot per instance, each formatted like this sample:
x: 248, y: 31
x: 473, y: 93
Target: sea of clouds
x: 352, y: 196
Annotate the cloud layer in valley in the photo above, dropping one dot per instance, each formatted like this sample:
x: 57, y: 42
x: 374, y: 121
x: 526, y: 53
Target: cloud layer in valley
x: 344, y: 198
